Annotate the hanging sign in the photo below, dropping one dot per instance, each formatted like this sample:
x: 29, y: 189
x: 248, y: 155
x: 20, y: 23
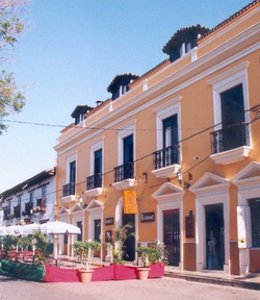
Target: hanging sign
x: 147, y: 217
x: 129, y: 200
x: 189, y: 226
x: 109, y: 221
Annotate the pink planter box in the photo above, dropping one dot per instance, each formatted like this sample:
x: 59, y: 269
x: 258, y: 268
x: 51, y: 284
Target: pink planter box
x: 54, y: 274
x: 125, y: 272
x: 157, y: 270
x: 112, y: 272
x: 103, y: 274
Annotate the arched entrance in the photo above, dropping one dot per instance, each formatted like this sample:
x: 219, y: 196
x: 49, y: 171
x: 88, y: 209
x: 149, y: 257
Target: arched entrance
x: 129, y: 221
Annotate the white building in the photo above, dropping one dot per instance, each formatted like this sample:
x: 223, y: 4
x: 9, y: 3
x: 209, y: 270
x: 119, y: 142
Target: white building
x: 31, y: 201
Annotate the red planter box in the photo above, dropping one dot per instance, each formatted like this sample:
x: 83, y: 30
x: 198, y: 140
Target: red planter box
x: 157, y: 270
x: 112, y: 272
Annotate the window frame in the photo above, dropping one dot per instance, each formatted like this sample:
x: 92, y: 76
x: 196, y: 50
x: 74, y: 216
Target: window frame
x: 69, y: 160
x: 129, y: 130
x: 224, y: 82
x: 163, y: 112
x: 96, y: 147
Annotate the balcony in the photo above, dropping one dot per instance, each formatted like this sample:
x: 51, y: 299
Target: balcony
x: 68, y: 192
x: 94, y: 185
x: 166, y: 162
x: 124, y: 176
x: 230, y: 145
x: 28, y: 208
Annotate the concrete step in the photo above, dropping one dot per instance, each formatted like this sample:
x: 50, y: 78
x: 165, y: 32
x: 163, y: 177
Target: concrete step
x: 249, y: 283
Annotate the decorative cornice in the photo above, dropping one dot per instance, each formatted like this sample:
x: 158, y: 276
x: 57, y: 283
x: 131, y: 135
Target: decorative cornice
x: 184, y: 72
x: 229, y: 19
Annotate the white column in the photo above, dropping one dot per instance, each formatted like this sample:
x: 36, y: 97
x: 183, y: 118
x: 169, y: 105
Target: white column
x: 244, y: 238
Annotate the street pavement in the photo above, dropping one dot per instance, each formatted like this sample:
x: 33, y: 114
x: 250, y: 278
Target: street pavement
x: 152, y: 289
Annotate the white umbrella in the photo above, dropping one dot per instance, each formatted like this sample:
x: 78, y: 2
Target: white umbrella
x: 3, y: 231
x: 14, y: 230
x: 30, y: 228
x: 58, y: 227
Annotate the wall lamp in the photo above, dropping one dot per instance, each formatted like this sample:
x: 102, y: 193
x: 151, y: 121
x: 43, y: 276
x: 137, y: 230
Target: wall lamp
x: 81, y: 199
x: 145, y: 175
x: 184, y: 184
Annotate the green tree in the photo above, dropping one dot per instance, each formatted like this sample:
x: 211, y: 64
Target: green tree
x: 11, y: 25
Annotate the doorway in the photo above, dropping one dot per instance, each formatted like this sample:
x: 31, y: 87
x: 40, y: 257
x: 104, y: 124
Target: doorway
x: 214, y: 237
x: 171, y: 235
x: 129, y: 244
x: 97, y: 230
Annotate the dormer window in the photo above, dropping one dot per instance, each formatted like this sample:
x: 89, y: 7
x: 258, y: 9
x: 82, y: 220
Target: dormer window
x: 120, y: 85
x: 183, y: 41
x: 79, y: 113
x: 79, y: 118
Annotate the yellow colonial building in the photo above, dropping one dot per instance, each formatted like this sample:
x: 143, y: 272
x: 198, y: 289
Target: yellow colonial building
x: 176, y: 152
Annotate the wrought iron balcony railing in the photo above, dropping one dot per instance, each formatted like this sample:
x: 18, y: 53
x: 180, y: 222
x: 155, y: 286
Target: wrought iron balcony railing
x: 229, y: 138
x: 28, y: 208
x: 94, y: 181
x: 68, y: 189
x: 125, y: 171
x: 166, y: 156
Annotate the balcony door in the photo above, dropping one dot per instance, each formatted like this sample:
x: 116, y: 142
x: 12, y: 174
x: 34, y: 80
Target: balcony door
x: 170, y: 131
x: 170, y: 140
x: 233, y: 116
x: 97, y: 168
x: 72, y: 177
x: 128, y: 156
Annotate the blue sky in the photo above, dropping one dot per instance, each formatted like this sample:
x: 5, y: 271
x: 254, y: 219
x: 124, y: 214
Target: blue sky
x: 69, y: 54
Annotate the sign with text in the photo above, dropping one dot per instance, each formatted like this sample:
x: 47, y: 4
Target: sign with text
x: 129, y: 200
x: 109, y: 221
x: 189, y: 226
x: 147, y: 217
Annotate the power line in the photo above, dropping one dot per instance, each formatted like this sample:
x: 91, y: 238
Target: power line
x: 255, y: 109
x: 181, y: 141
x: 89, y: 127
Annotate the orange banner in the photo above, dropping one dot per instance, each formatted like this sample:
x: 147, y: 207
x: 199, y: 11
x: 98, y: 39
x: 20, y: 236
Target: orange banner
x: 129, y: 199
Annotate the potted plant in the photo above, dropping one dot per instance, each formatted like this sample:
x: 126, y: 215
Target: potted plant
x: 143, y: 270
x: 84, y: 253
x: 149, y: 256
x: 158, y: 253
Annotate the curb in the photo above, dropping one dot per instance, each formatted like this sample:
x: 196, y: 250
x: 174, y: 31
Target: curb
x: 213, y: 280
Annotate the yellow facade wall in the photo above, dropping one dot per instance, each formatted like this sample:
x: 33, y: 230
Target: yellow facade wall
x: 196, y: 114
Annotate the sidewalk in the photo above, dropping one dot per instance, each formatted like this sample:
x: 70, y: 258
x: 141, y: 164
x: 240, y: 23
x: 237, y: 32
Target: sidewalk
x: 251, y: 281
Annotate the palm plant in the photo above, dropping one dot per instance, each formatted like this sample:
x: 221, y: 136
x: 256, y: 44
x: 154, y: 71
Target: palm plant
x: 121, y: 235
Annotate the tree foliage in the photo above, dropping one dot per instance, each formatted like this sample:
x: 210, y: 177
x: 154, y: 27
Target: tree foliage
x: 11, y: 25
